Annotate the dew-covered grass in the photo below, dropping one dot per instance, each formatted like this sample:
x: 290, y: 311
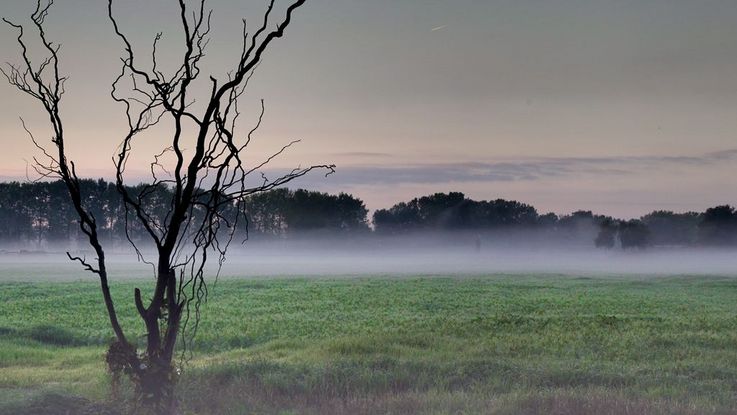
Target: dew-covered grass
x: 487, y: 344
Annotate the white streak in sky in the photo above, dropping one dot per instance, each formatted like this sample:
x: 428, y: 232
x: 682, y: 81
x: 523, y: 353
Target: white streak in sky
x: 435, y: 29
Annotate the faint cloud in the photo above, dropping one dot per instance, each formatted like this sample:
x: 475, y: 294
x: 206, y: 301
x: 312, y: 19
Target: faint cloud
x: 435, y: 29
x: 363, y: 154
x: 525, y: 169
x: 723, y: 155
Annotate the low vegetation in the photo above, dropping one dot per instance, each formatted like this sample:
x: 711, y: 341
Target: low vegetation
x: 495, y: 344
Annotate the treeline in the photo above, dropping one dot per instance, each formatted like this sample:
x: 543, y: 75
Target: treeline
x: 39, y: 214
x: 716, y: 226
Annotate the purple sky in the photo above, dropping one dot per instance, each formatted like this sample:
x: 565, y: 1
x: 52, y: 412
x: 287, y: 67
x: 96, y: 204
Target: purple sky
x: 620, y: 107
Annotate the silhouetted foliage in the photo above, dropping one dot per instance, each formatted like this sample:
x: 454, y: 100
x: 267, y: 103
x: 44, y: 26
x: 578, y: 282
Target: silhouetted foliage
x: 634, y: 234
x: 399, y: 218
x: 287, y: 212
x: 547, y: 220
x: 453, y: 211
x: 607, y: 234
x: 582, y: 225
x: 38, y: 215
x: 673, y: 229
x: 718, y: 226
x: 40, y: 212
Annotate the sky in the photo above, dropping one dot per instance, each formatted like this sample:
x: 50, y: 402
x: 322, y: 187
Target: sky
x: 616, y: 106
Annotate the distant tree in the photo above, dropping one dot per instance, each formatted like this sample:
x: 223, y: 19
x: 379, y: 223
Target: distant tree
x: 634, y: 234
x: 453, y: 211
x: 60, y: 216
x: 607, y: 234
x: 351, y: 213
x: 16, y: 221
x: 439, y: 210
x: 285, y: 212
x: 578, y: 227
x: 316, y: 211
x: 104, y: 203
x: 576, y: 218
x: 400, y: 218
x: 40, y: 213
x: 668, y: 228
x: 718, y: 226
x: 547, y: 220
x: 504, y: 213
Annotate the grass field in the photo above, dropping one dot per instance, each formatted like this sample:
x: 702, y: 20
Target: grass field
x: 496, y: 344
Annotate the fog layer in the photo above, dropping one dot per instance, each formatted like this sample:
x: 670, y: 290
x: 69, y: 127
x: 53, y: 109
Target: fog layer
x: 431, y: 255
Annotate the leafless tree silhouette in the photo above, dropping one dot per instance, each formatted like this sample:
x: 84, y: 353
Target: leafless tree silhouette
x: 206, y: 172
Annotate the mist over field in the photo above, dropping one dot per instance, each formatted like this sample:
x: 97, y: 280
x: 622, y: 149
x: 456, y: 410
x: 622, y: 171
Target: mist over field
x: 431, y: 255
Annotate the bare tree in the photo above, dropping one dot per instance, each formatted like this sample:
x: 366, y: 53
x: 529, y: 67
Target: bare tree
x: 201, y: 164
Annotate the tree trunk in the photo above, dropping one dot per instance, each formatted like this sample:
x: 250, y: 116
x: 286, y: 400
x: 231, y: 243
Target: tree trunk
x: 155, y: 377
x: 155, y: 384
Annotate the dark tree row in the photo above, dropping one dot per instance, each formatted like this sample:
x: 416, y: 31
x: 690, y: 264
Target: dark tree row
x: 452, y: 211
x: 39, y: 213
x: 716, y: 226
x: 283, y: 211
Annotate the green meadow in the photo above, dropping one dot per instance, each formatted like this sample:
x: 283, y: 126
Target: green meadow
x: 497, y: 344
